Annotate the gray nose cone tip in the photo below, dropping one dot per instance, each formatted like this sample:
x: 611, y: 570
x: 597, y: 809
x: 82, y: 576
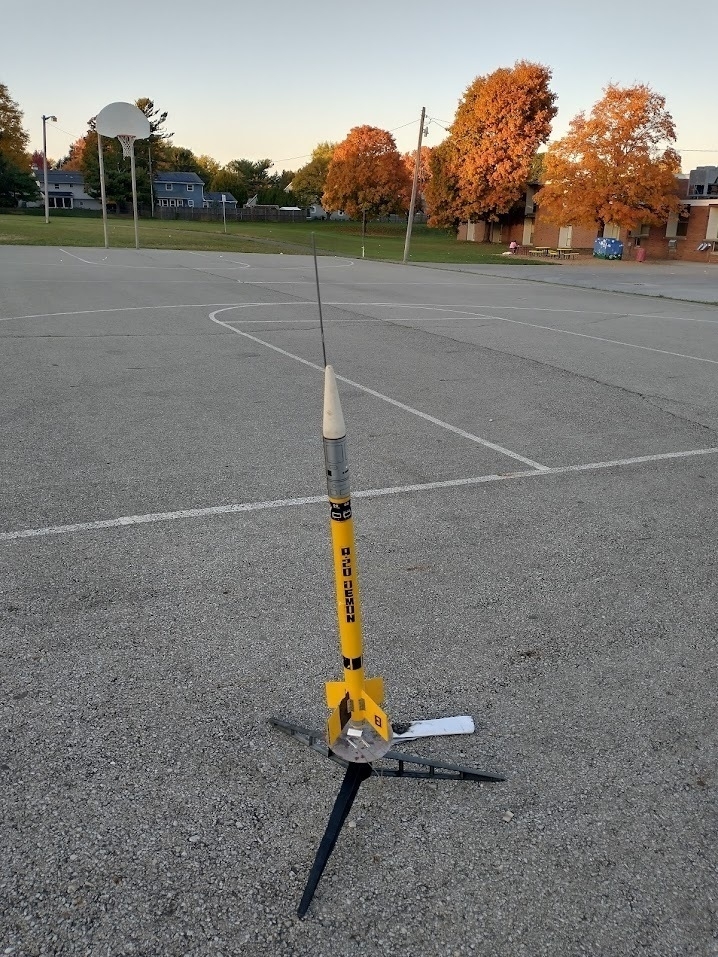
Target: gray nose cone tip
x: 333, y: 426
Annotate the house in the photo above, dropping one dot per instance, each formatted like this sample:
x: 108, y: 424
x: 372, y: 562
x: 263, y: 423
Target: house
x: 217, y: 200
x: 689, y: 234
x: 178, y: 189
x: 317, y: 211
x: 65, y: 190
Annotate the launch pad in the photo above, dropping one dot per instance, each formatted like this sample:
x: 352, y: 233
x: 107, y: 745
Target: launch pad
x: 354, y: 775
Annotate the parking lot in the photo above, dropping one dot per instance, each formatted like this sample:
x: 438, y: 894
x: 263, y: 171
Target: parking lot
x: 534, y: 471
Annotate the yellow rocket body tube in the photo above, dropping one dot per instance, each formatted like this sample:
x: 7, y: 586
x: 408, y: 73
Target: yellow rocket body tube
x: 357, y: 729
x: 348, y: 605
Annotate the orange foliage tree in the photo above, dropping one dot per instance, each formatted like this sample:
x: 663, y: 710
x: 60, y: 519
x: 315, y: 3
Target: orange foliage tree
x: 73, y: 160
x: 500, y: 123
x: 442, y: 193
x: 424, y: 173
x: 367, y: 175
x: 617, y: 165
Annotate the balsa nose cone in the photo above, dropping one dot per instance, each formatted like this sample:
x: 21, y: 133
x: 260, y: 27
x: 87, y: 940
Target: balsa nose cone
x: 333, y: 425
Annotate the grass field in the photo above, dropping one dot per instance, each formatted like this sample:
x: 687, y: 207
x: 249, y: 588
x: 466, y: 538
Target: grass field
x: 384, y: 241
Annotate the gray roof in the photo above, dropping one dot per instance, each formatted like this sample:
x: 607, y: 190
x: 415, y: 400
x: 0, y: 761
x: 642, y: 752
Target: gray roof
x: 60, y: 176
x: 217, y: 197
x: 178, y: 178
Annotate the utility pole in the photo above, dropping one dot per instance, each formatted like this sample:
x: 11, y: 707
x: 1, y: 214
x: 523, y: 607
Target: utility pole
x: 415, y: 185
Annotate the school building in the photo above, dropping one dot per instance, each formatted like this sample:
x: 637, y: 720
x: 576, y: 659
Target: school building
x: 690, y: 234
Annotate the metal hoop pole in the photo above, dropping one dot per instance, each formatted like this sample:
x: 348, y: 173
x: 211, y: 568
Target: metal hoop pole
x: 102, y: 189
x: 134, y: 194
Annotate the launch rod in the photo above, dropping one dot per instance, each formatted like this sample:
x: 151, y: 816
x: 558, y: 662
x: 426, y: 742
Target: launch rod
x: 319, y: 300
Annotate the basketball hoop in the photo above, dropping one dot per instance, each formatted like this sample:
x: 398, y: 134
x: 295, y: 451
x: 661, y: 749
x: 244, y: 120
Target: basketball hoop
x: 128, y: 123
x: 127, y: 139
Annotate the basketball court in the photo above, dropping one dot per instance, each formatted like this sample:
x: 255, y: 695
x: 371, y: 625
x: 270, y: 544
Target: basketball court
x: 534, y: 476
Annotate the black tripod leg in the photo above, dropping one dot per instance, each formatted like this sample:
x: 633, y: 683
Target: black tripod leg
x: 355, y: 774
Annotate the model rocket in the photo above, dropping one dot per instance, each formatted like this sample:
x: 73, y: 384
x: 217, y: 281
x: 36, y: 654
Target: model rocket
x: 357, y: 729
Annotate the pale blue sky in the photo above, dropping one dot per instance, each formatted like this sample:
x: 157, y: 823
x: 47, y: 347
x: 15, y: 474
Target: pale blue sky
x: 253, y: 80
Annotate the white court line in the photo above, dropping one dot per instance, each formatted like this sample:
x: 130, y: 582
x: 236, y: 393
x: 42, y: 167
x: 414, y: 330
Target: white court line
x: 341, y: 264
x: 470, y: 314
x: 92, y: 312
x: 379, y: 395
x: 153, y: 517
x: 467, y: 311
x: 87, y: 261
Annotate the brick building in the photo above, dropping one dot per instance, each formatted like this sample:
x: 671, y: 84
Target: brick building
x: 691, y: 234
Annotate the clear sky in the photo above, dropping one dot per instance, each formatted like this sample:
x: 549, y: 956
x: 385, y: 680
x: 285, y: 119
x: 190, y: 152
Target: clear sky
x: 254, y: 80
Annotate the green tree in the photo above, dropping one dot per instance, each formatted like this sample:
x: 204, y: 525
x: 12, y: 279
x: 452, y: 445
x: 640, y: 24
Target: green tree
x: 152, y: 153
x: 227, y: 181
x: 254, y: 173
x: 308, y: 182
x: 208, y: 168
x: 183, y: 160
x: 13, y: 138
x: 244, y: 178
x: 16, y: 179
x: 16, y: 184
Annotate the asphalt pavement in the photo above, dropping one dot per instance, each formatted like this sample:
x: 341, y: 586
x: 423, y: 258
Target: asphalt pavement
x: 534, y: 472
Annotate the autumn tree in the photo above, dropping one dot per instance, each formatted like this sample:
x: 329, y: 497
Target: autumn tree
x: 367, y: 175
x: 37, y: 160
x: 424, y: 173
x: 73, y: 161
x: 16, y: 180
x: 500, y: 122
x: 442, y: 194
x: 617, y: 165
x: 308, y: 182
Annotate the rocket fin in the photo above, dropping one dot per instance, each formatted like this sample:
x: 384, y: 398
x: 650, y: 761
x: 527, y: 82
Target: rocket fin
x: 335, y: 690
x: 374, y: 716
x: 338, y: 719
x: 375, y: 689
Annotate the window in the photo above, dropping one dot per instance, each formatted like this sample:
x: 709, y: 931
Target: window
x: 205, y: 204
x: 712, y: 227
x: 59, y: 202
x: 190, y: 202
x: 677, y: 224
x: 190, y: 187
x: 168, y: 187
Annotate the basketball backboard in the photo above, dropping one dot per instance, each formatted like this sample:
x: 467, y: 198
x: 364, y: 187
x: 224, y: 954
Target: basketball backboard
x: 122, y: 118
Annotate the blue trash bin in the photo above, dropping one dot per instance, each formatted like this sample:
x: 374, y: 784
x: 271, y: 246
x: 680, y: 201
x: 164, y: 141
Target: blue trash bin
x: 608, y: 249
